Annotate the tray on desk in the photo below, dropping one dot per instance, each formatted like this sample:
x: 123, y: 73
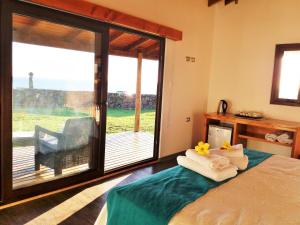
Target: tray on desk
x: 249, y: 117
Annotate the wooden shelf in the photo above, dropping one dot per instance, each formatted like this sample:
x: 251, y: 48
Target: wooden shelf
x: 247, y: 129
x: 260, y: 137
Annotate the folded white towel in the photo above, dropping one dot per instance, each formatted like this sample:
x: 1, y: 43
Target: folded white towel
x: 271, y: 137
x: 236, y: 151
x: 284, y: 136
x: 240, y: 162
x: 211, y: 161
x: 285, y: 139
x: 216, y: 175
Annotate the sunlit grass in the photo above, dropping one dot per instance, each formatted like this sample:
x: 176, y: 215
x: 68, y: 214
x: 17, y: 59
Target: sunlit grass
x: 118, y: 120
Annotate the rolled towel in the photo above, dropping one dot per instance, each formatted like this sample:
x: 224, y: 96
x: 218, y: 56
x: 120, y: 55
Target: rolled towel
x: 211, y: 161
x: 216, y: 175
x: 271, y: 137
x: 285, y: 139
x: 235, y: 151
x: 240, y: 162
x: 283, y: 136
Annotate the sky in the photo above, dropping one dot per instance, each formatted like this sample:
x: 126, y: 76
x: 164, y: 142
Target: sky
x: 70, y: 70
x: 290, y: 75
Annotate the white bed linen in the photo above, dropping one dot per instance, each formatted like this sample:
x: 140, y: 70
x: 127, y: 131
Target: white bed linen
x: 266, y: 194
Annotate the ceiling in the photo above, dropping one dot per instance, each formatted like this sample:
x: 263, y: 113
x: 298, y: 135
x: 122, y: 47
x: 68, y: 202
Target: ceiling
x: 34, y: 31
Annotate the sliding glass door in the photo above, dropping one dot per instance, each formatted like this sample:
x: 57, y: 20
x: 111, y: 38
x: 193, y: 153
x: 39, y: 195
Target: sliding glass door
x: 51, y: 94
x: 133, y: 109
x: 53, y: 100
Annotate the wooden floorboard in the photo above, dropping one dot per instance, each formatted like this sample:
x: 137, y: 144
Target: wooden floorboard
x: 121, y: 149
x: 34, y: 212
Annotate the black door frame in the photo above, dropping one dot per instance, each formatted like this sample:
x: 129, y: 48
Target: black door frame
x: 7, y: 9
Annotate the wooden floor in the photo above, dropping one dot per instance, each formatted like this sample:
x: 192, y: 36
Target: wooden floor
x: 121, y: 149
x: 73, y: 207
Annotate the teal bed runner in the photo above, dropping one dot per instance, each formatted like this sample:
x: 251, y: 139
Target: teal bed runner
x: 154, y: 200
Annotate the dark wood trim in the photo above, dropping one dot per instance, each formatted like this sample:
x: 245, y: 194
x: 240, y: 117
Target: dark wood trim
x: 279, y: 51
x: 101, y: 13
x: 103, y: 99
x: 6, y: 88
x: 159, y: 98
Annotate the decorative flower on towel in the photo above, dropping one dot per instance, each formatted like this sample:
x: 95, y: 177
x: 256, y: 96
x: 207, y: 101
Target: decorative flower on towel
x: 226, y: 146
x: 202, y: 148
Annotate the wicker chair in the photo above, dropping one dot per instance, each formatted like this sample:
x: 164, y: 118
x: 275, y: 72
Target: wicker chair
x: 63, y: 150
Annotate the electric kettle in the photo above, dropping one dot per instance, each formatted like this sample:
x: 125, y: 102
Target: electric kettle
x: 222, y: 107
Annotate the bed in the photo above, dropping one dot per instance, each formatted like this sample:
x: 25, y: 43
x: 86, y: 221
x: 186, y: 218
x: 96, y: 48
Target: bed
x: 268, y: 192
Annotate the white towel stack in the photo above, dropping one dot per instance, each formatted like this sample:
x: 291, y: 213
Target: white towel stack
x: 213, y: 166
x: 211, y: 161
x: 235, y: 155
x: 283, y: 138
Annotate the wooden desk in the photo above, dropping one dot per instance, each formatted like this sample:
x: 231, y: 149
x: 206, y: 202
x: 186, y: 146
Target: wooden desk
x: 248, y: 129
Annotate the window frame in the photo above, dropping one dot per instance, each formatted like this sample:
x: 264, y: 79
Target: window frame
x: 279, y: 51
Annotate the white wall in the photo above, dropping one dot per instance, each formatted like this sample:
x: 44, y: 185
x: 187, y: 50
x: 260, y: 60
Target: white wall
x: 185, y: 84
x: 245, y: 36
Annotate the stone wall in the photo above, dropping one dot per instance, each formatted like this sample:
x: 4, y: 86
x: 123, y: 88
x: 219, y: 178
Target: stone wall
x: 122, y: 101
x: 41, y: 98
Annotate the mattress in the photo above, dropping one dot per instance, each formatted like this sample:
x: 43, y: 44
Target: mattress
x: 266, y: 194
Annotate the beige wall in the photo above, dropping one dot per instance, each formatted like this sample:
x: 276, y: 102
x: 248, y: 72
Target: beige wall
x: 243, y: 54
x: 185, y: 84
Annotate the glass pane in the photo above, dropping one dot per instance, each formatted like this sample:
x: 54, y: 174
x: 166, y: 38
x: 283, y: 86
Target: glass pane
x: 54, y: 129
x: 290, y: 75
x: 131, y: 99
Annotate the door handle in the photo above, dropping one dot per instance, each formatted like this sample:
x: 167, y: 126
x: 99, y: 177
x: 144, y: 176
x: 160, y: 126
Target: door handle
x: 98, y: 112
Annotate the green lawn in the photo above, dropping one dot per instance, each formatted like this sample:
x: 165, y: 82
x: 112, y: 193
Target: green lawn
x: 118, y: 120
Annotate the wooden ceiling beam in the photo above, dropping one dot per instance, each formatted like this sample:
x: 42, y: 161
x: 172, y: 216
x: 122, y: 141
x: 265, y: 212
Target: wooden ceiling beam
x: 72, y: 34
x: 53, y: 41
x: 135, y: 44
x: 97, y: 12
x: 211, y: 2
x: 229, y: 1
x: 115, y: 35
x: 133, y: 54
x: 33, y: 22
x: 151, y: 48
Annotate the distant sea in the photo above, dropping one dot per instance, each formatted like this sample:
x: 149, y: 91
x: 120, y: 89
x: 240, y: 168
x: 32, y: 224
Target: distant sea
x: 51, y: 84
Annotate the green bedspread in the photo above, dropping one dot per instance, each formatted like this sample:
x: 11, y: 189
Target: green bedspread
x: 154, y: 200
